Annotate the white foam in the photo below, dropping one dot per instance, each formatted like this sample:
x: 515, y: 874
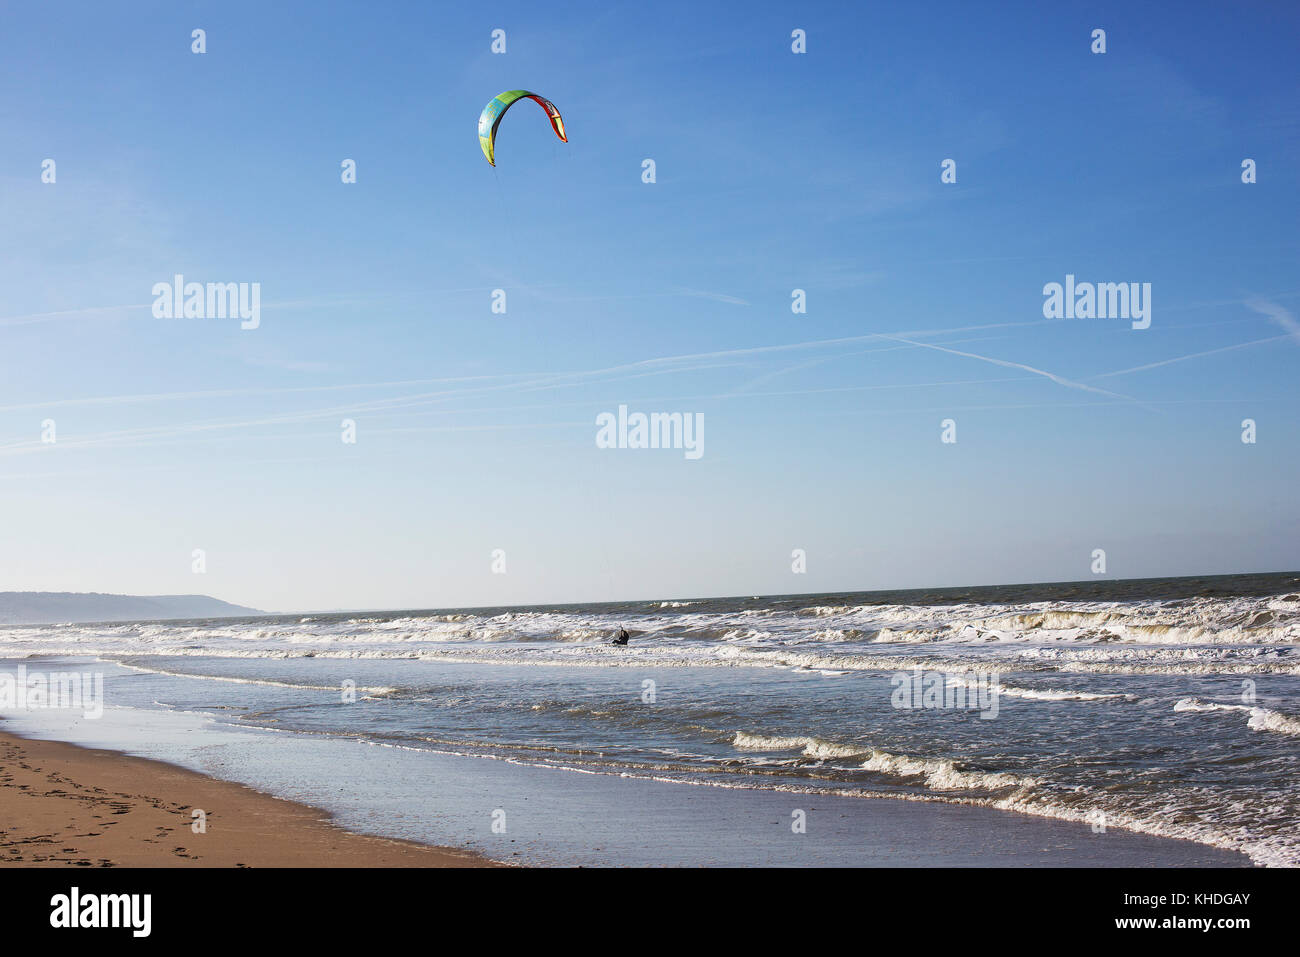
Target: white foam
x: 1261, y: 719
x: 938, y: 774
x: 811, y: 747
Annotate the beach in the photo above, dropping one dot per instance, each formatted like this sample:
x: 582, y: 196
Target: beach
x: 66, y: 806
x: 1097, y: 724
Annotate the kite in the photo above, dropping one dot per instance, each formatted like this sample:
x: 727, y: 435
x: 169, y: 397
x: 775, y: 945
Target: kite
x: 490, y: 119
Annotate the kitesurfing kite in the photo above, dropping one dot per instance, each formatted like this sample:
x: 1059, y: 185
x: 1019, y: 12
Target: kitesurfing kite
x: 490, y: 119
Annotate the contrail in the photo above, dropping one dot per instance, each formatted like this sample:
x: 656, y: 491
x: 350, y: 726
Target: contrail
x: 807, y: 363
x: 1059, y: 380
x: 541, y: 379
x: 1194, y: 355
x: 666, y: 365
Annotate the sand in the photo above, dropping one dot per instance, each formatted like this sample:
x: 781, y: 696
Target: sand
x: 64, y: 805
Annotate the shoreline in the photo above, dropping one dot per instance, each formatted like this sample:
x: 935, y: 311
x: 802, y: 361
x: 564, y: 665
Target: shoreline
x: 555, y: 820
x: 497, y: 808
x: 64, y: 805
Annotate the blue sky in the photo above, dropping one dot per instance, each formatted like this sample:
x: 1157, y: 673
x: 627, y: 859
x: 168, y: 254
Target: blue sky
x: 775, y: 171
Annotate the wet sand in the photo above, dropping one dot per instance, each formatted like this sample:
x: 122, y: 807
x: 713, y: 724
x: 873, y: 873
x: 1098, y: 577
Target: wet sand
x: 64, y: 805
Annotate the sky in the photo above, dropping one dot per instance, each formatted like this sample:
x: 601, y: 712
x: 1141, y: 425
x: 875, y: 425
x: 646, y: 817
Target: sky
x: 475, y: 477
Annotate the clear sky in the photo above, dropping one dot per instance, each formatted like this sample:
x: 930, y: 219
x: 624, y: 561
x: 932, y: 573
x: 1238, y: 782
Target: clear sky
x: 775, y: 171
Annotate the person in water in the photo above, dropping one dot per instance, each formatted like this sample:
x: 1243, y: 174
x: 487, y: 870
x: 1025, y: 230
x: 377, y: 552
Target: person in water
x: 621, y: 638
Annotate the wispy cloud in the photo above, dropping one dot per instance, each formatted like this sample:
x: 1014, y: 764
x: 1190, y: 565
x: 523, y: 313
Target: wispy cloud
x: 715, y: 296
x: 1279, y: 314
x: 94, y: 312
x: 289, y: 365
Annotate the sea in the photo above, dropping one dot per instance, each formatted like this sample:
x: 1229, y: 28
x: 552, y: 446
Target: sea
x: 1161, y: 707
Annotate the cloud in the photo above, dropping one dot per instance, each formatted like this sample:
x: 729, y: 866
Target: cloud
x: 90, y: 313
x: 289, y: 365
x: 715, y: 296
x: 1278, y: 314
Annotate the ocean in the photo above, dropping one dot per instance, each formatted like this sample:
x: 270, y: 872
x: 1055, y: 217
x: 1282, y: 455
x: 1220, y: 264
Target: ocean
x: 1162, y: 707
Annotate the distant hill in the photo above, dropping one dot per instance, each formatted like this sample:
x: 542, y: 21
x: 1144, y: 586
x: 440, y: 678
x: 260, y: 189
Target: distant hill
x: 50, y: 607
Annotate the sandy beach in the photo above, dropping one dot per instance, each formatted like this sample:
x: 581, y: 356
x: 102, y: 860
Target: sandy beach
x: 64, y: 805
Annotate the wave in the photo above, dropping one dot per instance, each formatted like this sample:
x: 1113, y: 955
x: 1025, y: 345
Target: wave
x: 1097, y: 809
x: 1043, y: 694
x: 939, y: 774
x: 811, y: 747
x: 743, y: 650
x: 1261, y: 719
x: 377, y: 692
x: 1195, y: 623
